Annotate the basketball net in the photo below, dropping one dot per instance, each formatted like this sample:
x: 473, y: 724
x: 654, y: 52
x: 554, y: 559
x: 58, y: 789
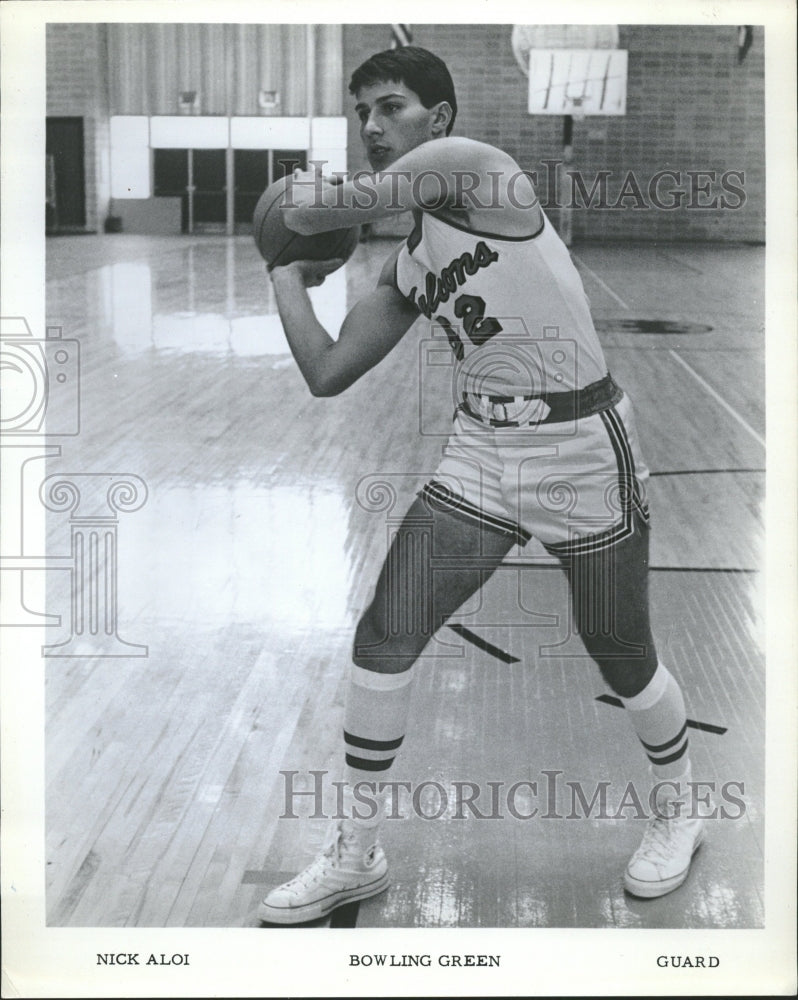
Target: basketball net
x: 578, y: 112
x: 569, y: 77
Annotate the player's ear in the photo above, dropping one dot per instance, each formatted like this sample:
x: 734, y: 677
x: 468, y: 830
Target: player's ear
x: 442, y: 116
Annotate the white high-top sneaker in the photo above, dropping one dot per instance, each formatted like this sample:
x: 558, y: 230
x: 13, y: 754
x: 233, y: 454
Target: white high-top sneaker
x: 662, y: 861
x: 352, y: 867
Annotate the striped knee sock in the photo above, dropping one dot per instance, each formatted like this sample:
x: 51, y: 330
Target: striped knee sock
x: 658, y: 716
x: 374, y: 724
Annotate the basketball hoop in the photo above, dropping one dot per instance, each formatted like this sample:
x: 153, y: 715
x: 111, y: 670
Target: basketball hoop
x: 526, y: 37
x: 573, y: 69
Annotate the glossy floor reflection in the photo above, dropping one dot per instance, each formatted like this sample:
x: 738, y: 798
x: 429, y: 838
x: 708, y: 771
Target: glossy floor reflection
x: 267, y: 515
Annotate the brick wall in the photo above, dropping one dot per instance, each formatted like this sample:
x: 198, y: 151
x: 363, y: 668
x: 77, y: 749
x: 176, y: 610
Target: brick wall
x: 690, y: 107
x: 76, y: 87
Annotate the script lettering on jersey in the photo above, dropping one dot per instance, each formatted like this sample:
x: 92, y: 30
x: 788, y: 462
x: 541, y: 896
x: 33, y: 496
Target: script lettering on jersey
x: 453, y: 276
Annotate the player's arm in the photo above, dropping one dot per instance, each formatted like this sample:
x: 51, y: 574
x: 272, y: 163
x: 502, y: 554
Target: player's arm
x: 441, y: 172
x: 371, y: 329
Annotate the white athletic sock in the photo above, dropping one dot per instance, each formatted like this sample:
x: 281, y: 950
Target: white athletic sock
x: 659, y: 719
x: 374, y: 727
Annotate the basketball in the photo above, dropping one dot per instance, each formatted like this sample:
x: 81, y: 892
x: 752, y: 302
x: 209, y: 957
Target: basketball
x: 280, y: 245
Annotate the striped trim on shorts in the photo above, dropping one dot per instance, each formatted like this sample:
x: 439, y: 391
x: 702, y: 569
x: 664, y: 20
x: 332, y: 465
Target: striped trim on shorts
x: 562, y: 488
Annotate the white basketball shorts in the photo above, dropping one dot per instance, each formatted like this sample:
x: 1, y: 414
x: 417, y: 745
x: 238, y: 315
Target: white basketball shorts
x: 578, y: 486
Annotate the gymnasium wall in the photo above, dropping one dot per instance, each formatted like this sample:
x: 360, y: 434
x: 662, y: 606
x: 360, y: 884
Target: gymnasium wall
x: 690, y: 107
x: 264, y: 72
x: 225, y: 65
x: 77, y: 87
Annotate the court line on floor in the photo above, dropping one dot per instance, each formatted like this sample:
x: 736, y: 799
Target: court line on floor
x: 679, y: 263
x: 706, y: 727
x: 483, y: 644
x: 702, y: 472
x: 606, y: 699
x: 658, y: 348
x: 701, y: 569
x: 505, y: 657
x: 717, y: 397
x: 600, y: 283
x: 532, y: 564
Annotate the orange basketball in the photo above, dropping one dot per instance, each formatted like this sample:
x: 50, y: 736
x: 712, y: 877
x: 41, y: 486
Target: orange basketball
x: 280, y: 245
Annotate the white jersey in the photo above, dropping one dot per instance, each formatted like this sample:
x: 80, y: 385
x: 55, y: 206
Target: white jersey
x: 513, y: 308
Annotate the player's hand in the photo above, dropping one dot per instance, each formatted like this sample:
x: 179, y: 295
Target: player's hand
x: 313, y: 176
x: 310, y: 272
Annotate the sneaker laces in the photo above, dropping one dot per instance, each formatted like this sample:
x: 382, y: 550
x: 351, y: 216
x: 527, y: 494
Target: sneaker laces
x: 330, y: 857
x: 657, y: 840
x: 662, y: 837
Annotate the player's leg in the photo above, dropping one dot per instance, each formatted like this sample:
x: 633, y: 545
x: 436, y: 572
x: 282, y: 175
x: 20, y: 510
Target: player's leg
x: 610, y: 603
x: 610, y: 609
x: 436, y: 561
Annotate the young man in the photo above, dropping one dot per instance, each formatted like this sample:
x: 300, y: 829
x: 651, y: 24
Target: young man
x: 543, y: 444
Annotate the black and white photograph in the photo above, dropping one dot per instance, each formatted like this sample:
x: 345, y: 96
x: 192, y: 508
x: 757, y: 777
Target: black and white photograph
x: 399, y: 536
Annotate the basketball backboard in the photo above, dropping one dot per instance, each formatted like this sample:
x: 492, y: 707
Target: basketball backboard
x: 577, y: 82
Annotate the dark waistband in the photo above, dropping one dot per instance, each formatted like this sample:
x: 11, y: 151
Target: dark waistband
x: 562, y: 406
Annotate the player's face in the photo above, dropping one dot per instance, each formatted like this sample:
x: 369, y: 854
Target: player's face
x: 392, y: 122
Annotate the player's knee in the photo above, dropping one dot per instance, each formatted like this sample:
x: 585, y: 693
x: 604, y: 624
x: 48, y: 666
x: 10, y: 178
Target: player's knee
x: 377, y: 648
x: 628, y: 676
x: 365, y: 642
x: 626, y: 664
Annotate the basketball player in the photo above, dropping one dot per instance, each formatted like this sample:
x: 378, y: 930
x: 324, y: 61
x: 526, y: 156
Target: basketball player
x: 543, y: 444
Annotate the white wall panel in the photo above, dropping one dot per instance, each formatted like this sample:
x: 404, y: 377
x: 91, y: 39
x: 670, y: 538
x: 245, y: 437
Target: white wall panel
x: 130, y: 156
x: 189, y: 132
x: 270, y: 133
x: 328, y: 132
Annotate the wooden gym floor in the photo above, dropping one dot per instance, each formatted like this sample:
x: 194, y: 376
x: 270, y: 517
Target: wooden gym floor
x: 245, y: 570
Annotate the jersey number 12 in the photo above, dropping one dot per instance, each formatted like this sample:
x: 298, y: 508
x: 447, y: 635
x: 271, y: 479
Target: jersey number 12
x: 479, y: 328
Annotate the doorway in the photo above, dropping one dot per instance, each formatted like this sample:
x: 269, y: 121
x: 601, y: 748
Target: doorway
x: 198, y: 177
x: 65, y: 199
x: 201, y: 179
x: 254, y: 170
x: 208, y: 187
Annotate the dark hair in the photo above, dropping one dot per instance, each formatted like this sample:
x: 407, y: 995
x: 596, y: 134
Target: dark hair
x: 419, y: 70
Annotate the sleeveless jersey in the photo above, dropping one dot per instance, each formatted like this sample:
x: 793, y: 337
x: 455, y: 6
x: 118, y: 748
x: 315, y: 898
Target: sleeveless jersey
x: 513, y: 308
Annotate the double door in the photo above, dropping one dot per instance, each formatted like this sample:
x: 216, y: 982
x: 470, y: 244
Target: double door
x: 219, y: 188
